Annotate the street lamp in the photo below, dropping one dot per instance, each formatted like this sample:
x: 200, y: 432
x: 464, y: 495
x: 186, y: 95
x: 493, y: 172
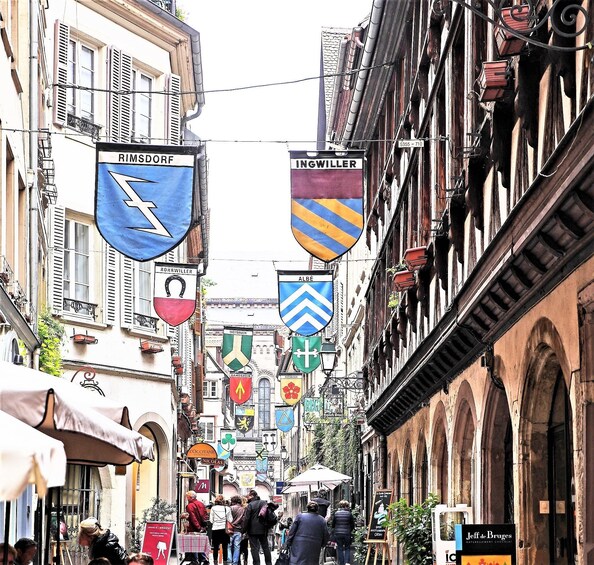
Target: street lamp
x: 284, y: 456
x: 328, y: 356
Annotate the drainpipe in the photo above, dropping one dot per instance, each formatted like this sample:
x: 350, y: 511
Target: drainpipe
x: 370, y: 41
x: 383, y: 448
x: 33, y: 156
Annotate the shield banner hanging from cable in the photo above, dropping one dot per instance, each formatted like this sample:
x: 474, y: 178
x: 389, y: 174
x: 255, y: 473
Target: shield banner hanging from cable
x: 327, y: 201
x: 228, y: 439
x: 284, y: 418
x: 237, y: 347
x: 291, y: 389
x: 244, y: 419
x: 144, y: 196
x: 174, y: 294
x: 306, y: 300
x: 240, y: 388
x: 306, y: 352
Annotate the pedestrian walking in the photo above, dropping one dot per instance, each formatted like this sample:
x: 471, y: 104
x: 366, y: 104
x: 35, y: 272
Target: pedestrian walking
x: 343, y: 524
x: 26, y: 549
x: 101, y: 542
x: 237, y: 515
x: 197, y: 519
x: 322, y: 501
x: 278, y: 530
x: 219, y: 516
x: 244, y: 545
x: 286, y: 526
x: 307, y: 536
x: 142, y: 558
x: 10, y: 551
x: 257, y: 532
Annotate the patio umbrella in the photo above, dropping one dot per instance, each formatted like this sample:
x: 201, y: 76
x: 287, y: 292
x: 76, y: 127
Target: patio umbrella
x: 317, y: 476
x: 93, y: 429
x: 28, y: 456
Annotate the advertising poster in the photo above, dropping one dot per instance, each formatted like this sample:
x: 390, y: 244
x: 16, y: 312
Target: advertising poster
x: 157, y: 540
x: 486, y: 544
x: 379, y: 513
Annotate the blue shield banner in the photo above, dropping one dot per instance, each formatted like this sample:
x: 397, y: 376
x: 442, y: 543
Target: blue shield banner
x: 305, y: 300
x: 284, y: 418
x: 144, y: 197
x: 327, y: 201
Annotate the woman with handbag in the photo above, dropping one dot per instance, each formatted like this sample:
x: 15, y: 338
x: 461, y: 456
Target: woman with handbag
x: 219, y: 516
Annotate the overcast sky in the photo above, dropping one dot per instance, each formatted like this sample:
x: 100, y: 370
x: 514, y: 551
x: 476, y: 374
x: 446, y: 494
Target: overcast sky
x: 253, y: 43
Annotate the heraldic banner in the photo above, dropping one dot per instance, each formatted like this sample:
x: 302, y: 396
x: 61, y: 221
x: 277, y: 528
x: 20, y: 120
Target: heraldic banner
x: 327, y: 201
x: 237, y: 347
x: 306, y: 352
x: 244, y: 419
x: 284, y: 418
x: 305, y: 300
x: 240, y: 388
x: 291, y: 389
x: 144, y: 196
x: 174, y: 296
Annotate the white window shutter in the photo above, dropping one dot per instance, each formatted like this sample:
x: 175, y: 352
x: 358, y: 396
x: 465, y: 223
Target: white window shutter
x: 119, y: 106
x: 174, y: 110
x: 61, y: 41
x: 57, y: 226
x: 110, y: 285
x: 127, y: 293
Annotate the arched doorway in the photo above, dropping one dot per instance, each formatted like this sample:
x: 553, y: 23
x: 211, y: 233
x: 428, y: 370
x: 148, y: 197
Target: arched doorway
x: 145, y: 479
x: 439, y: 457
x: 463, y: 451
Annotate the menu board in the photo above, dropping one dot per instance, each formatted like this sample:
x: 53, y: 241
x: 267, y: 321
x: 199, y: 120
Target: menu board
x: 379, y: 513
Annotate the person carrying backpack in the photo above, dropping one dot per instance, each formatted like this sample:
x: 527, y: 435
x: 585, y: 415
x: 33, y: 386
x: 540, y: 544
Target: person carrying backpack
x: 256, y: 528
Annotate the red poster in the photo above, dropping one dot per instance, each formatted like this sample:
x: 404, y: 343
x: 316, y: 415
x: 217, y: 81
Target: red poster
x: 202, y: 486
x: 157, y: 540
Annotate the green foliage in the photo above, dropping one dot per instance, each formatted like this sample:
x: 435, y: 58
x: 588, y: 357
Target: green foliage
x: 359, y: 547
x: 335, y: 444
x: 394, y: 299
x: 411, y: 525
x: 51, y: 333
x: 159, y: 511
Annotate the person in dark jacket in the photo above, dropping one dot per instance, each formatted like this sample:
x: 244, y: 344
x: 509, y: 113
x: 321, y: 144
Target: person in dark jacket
x: 256, y: 531
x: 322, y: 501
x: 101, y: 543
x: 307, y: 536
x: 343, y: 525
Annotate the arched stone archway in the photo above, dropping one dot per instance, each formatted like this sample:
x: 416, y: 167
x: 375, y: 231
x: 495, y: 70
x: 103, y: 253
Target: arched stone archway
x: 439, y: 456
x: 408, y: 476
x: 497, y: 449
x: 463, y: 444
x: 546, y: 477
x: 422, y: 471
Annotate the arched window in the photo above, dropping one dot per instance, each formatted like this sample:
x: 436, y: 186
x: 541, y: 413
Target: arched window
x: 263, y: 404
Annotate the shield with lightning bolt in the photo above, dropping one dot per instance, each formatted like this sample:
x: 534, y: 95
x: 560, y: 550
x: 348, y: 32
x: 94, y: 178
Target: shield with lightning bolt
x: 244, y: 419
x: 306, y: 353
x: 144, y: 196
x: 291, y: 389
x: 237, y: 347
x: 284, y: 418
x: 228, y: 439
x: 240, y: 388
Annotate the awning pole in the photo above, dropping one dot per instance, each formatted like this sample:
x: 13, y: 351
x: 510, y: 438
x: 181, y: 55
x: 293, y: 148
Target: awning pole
x: 6, y: 530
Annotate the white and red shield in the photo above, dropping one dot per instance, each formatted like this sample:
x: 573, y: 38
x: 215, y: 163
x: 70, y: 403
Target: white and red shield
x: 240, y: 389
x: 174, y: 296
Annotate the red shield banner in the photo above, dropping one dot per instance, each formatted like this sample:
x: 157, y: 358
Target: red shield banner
x: 240, y: 389
x: 174, y: 296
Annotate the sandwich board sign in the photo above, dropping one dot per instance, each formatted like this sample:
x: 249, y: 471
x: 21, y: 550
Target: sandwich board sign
x: 157, y: 541
x: 376, y: 533
x: 443, y: 521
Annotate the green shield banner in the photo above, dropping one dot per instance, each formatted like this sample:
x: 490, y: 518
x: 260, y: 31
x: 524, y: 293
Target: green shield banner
x: 306, y: 352
x: 237, y: 347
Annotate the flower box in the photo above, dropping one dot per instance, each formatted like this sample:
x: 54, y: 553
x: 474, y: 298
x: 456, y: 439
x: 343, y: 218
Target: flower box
x: 493, y: 80
x: 518, y: 18
x: 150, y: 348
x: 403, y: 280
x: 84, y: 339
x: 176, y: 361
x: 415, y: 258
x: 179, y: 370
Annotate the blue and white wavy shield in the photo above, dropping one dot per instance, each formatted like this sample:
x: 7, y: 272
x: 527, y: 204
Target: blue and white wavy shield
x: 144, y: 197
x: 306, y: 300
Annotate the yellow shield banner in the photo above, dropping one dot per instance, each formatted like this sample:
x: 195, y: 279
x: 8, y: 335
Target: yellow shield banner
x: 291, y: 389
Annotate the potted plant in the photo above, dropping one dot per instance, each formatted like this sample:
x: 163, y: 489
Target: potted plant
x: 411, y: 526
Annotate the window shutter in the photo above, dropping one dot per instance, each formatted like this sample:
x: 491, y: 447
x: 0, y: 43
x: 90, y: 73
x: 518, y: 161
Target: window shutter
x: 119, y: 106
x: 174, y: 110
x: 61, y: 41
x: 110, y: 285
x: 57, y: 223
x: 127, y: 293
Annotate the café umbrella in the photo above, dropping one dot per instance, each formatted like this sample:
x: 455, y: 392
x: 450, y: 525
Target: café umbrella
x: 94, y: 430
x: 28, y: 456
x: 316, y: 477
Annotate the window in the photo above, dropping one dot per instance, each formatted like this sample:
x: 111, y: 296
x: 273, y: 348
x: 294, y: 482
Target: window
x: 263, y: 404
x: 141, y: 106
x: 142, y: 288
x: 206, y: 430
x: 81, y: 72
x: 210, y: 389
x: 76, y: 261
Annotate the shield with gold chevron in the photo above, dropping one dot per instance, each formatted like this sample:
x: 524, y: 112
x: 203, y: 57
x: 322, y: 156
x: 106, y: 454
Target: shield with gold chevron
x: 291, y: 389
x: 327, y: 201
x: 237, y: 347
x: 240, y: 388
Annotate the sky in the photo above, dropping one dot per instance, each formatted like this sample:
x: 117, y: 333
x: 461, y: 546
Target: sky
x: 255, y: 42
